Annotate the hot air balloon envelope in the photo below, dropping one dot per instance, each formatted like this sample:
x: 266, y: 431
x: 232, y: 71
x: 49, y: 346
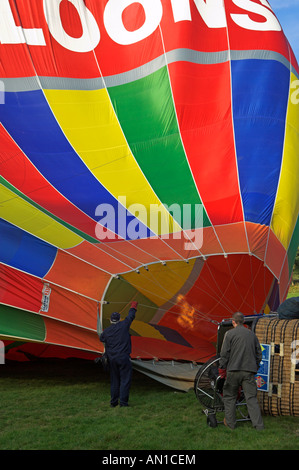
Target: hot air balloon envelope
x: 149, y: 152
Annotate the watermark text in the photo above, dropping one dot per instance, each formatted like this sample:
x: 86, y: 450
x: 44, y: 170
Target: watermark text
x: 137, y: 221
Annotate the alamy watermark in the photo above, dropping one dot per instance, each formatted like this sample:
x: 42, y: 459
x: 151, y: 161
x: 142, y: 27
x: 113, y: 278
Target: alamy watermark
x: 2, y: 92
x: 137, y: 221
x: 295, y: 94
x: 2, y: 352
x: 295, y: 351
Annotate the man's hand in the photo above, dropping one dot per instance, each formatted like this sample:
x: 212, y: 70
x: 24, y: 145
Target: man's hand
x: 222, y: 373
x: 134, y: 304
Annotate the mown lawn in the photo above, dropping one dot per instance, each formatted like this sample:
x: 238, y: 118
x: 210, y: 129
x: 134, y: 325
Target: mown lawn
x: 64, y: 405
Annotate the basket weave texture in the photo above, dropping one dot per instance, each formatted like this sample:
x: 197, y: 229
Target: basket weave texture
x: 282, y: 399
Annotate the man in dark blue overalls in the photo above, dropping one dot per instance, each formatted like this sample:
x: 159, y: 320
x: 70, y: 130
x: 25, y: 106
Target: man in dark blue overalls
x: 117, y: 341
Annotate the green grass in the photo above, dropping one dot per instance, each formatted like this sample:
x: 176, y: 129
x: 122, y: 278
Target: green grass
x: 64, y: 405
x: 294, y: 291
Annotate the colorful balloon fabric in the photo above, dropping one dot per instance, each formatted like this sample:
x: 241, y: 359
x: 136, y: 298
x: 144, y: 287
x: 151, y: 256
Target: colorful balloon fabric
x: 149, y: 151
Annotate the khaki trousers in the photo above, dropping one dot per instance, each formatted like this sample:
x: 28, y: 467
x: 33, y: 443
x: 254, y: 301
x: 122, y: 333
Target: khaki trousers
x: 246, y: 380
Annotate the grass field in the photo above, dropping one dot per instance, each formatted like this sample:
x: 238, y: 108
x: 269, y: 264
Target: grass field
x: 64, y: 405
x: 294, y: 291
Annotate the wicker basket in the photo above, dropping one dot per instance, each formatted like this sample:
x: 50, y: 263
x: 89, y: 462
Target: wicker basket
x: 283, y: 395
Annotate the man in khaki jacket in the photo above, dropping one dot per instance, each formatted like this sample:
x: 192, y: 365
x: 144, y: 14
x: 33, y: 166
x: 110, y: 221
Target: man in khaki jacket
x: 240, y: 357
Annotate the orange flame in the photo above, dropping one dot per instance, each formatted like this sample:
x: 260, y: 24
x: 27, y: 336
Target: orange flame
x: 187, y: 312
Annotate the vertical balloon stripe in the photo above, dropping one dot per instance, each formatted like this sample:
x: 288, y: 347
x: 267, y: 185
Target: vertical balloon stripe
x: 70, y: 307
x: 293, y: 247
x: 19, y: 289
x: 78, y: 276
x: 68, y: 335
x: 21, y: 213
x: 97, y: 256
x: 45, y: 213
x: 29, y: 120
x: 14, y: 166
x: 89, y: 122
x: 23, y: 251
x: 146, y: 113
x: 203, y: 102
x: 21, y: 324
x: 259, y: 111
x: 275, y: 254
x: 286, y: 206
x: 24, y: 291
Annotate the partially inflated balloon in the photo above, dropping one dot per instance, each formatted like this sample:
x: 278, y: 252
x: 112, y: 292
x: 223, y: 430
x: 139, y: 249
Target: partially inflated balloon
x: 149, y: 151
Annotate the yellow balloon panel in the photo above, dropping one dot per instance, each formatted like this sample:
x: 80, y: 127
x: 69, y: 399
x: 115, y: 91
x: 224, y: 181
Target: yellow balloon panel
x: 161, y: 282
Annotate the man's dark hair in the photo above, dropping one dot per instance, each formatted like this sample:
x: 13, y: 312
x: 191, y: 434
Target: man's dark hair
x: 238, y: 317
